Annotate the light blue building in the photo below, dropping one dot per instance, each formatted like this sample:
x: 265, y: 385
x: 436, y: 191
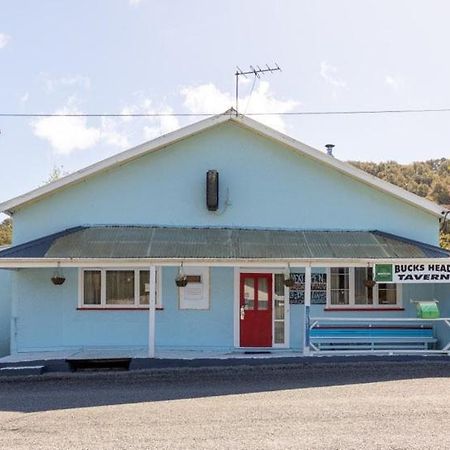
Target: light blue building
x: 224, y: 236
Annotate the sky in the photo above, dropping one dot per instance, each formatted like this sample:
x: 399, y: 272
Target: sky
x: 179, y: 56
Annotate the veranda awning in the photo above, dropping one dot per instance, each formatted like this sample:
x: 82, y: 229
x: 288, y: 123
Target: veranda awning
x: 226, y: 244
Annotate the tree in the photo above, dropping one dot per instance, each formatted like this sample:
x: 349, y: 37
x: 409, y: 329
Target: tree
x: 445, y: 240
x: 429, y: 179
x: 6, y: 232
x: 56, y: 173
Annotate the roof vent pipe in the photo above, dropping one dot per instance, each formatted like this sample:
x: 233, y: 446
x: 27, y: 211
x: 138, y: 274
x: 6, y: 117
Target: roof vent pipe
x: 329, y: 148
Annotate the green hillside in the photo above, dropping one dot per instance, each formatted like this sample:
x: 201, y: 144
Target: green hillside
x: 430, y: 179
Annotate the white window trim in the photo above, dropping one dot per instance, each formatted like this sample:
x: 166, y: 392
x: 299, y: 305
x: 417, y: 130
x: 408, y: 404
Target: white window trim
x: 103, y: 304
x: 352, y: 304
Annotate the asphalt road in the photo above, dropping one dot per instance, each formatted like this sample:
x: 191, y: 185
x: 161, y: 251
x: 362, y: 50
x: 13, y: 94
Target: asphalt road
x: 370, y: 405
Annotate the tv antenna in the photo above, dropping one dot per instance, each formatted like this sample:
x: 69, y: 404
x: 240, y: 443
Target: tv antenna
x: 257, y: 72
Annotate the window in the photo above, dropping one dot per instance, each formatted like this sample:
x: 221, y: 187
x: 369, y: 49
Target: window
x: 117, y: 288
x: 339, y: 286
x: 120, y: 287
x: 279, y: 309
x: 363, y: 293
x: 348, y: 287
x: 92, y: 287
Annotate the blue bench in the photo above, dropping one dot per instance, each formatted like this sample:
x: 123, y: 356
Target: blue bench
x: 332, y: 338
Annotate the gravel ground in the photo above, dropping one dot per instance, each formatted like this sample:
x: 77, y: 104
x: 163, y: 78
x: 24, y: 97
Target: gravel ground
x: 351, y: 405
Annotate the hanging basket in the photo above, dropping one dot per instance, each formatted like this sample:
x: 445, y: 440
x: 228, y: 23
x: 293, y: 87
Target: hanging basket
x: 58, y: 280
x: 370, y: 283
x: 181, y: 281
x: 289, y: 282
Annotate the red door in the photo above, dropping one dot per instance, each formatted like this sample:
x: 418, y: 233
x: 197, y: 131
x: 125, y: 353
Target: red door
x: 256, y: 310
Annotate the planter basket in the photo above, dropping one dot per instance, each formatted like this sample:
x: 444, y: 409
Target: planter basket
x: 58, y: 280
x: 181, y: 281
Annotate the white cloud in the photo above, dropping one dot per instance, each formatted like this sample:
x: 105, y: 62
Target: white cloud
x: 394, y: 82
x: 4, y: 39
x: 67, y: 134
x: 53, y: 84
x: 152, y: 126
x: 110, y: 134
x: 207, y: 98
x: 329, y: 74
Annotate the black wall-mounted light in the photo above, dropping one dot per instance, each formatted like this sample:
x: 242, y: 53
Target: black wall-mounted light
x: 212, y: 190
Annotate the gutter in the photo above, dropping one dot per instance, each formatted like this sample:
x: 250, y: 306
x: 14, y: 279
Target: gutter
x: 28, y: 263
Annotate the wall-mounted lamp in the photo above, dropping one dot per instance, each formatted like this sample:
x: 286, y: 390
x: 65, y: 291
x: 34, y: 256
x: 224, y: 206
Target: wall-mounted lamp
x: 288, y: 280
x: 58, y: 278
x: 212, y: 190
x: 181, y: 279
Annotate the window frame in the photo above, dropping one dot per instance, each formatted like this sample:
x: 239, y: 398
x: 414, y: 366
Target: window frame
x: 103, y: 305
x: 352, y: 289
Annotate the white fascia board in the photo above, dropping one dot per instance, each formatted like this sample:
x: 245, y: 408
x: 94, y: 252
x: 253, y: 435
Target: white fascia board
x: 21, y: 263
x: 342, y: 167
x: 10, y: 206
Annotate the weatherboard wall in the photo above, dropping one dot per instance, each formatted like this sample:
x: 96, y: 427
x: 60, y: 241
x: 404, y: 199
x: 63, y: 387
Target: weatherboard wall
x: 47, y: 318
x: 269, y: 186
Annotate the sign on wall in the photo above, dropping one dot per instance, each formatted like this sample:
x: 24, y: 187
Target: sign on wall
x: 318, y: 289
x: 196, y: 293
x: 412, y: 273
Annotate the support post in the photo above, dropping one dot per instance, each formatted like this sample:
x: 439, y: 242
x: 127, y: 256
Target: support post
x: 14, y: 312
x: 151, y: 312
x: 306, y: 321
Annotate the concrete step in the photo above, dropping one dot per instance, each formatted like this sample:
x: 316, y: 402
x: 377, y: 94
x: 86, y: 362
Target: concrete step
x: 17, y: 371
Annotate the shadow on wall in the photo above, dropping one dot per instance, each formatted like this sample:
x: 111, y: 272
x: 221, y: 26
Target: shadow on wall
x: 83, y: 390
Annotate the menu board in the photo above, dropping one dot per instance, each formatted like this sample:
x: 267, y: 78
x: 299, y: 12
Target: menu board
x: 318, y: 289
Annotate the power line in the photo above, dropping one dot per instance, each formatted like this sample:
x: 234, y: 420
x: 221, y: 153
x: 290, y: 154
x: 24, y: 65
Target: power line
x: 368, y: 111
x: 280, y: 113
x: 103, y: 114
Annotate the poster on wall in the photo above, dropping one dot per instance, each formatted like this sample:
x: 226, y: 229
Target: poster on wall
x: 196, y: 294
x: 412, y: 273
x: 318, y: 289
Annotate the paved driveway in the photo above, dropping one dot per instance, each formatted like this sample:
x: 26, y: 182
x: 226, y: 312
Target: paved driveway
x: 367, y: 405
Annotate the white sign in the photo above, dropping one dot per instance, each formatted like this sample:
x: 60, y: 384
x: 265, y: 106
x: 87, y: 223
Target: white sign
x: 196, y: 294
x: 421, y: 273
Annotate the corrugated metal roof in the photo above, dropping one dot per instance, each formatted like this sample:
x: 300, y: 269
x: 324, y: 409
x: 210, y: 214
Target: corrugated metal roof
x: 220, y: 243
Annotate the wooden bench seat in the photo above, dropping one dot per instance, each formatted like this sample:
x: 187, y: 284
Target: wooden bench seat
x: 372, y: 338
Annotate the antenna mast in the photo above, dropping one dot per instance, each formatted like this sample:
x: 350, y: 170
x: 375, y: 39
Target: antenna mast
x: 257, y: 72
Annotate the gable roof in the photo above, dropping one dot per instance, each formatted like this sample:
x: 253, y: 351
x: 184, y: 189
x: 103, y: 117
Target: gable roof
x: 12, y: 205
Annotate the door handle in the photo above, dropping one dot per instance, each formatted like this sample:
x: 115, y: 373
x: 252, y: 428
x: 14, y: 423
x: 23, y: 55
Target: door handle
x: 242, y: 313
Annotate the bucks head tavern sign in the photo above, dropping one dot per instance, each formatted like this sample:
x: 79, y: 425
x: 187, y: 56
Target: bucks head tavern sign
x: 412, y: 273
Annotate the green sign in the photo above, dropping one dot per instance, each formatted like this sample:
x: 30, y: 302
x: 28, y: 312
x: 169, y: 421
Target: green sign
x: 383, y: 273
